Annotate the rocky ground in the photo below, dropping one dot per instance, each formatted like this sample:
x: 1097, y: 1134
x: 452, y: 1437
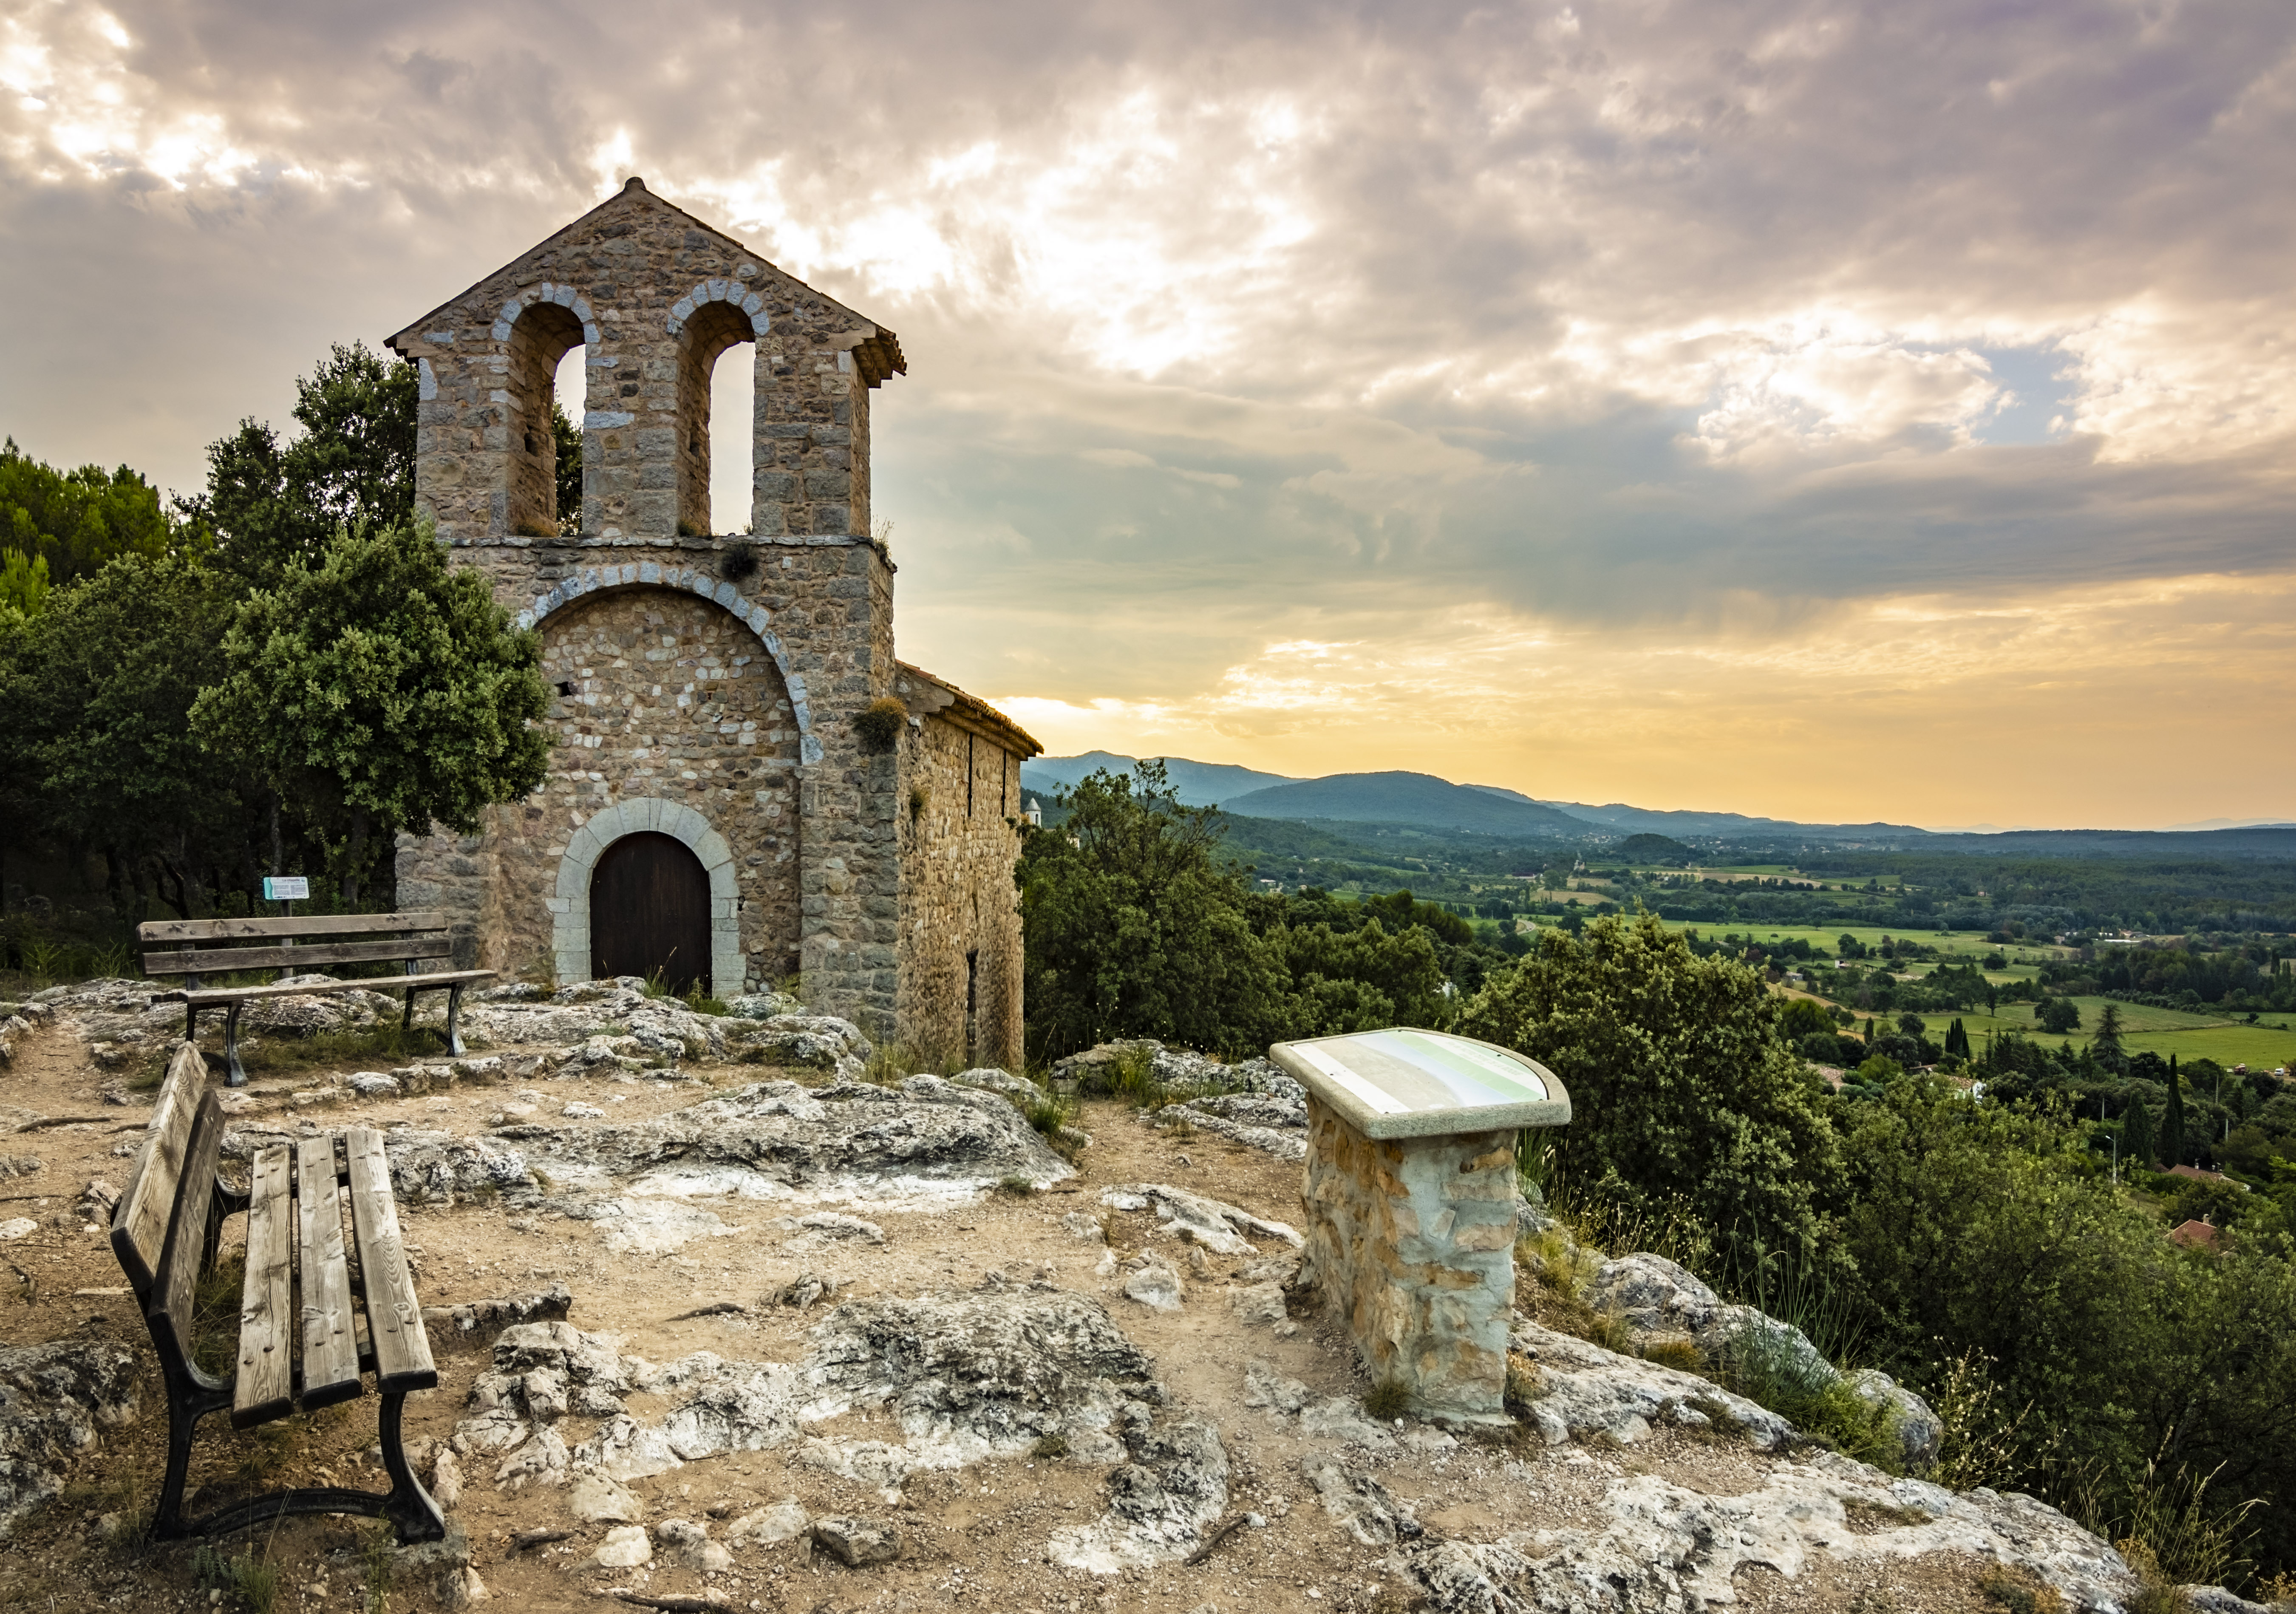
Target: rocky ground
x: 718, y: 1321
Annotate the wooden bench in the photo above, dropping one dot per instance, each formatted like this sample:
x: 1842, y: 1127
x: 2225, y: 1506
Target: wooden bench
x: 311, y: 1321
x: 203, y: 947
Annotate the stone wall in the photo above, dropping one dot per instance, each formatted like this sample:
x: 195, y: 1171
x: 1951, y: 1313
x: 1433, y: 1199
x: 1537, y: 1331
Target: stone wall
x: 961, y: 914
x: 746, y: 713
x: 1412, y: 1240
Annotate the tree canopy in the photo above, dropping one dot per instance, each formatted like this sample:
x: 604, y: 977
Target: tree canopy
x: 1680, y: 1085
x: 270, y: 503
x: 58, y: 526
x: 380, y: 691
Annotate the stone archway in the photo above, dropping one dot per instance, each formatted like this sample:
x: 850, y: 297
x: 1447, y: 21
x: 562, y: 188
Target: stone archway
x: 652, y: 574
x: 570, y: 909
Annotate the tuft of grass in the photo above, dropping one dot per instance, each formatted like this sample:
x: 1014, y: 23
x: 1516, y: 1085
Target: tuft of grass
x: 701, y: 1003
x: 2018, y: 1594
x: 1050, y: 1115
x: 1722, y: 1425
x: 1864, y: 1515
x: 267, y: 1452
x: 1678, y: 1352
x: 1387, y: 1400
x: 383, y: 1044
x: 114, y: 1491
x: 375, y: 1542
x: 1015, y: 1186
x: 250, y: 1579
x: 1771, y: 1369
x: 1524, y: 1385
x: 2171, y: 1526
x: 2156, y: 1592
x: 1134, y: 1080
x: 1050, y: 1446
x: 216, y: 1312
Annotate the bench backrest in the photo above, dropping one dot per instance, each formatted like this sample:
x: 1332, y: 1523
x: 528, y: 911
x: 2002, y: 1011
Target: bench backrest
x: 164, y: 1222
x: 217, y: 946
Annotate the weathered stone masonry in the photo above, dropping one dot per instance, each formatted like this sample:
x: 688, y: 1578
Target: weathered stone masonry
x: 706, y: 683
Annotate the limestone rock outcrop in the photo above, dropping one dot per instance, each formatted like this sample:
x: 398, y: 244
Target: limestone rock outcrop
x: 55, y: 1402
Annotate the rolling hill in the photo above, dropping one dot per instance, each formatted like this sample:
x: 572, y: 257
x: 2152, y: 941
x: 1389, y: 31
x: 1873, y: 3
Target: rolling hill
x: 1195, y: 783
x: 1414, y: 799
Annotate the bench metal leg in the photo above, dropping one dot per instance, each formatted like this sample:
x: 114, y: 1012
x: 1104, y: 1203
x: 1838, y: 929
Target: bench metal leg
x: 453, y: 1016
x: 407, y: 1505
x: 185, y: 1407
x: 238, y: 1072
x: 406, y: 1020
x: 190, y: 1024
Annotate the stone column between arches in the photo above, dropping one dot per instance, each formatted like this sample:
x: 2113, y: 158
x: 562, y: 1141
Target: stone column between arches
x: 570, y: 909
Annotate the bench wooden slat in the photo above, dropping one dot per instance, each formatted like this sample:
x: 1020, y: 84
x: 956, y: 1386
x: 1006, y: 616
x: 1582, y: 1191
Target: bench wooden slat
x: 331, y: 1364
x: 265, y: 1385
x: 211, y: 997
x: 221, y: 960
x: 174, y: 1298
x: 259, y: 930
x: 394, y: 1315
x: 139, y: 1225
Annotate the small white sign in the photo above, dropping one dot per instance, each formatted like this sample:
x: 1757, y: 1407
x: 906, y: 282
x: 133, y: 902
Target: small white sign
x: 286, y: 888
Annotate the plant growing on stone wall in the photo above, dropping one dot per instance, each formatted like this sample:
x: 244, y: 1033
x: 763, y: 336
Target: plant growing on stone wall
x: 738, y: 564
x: 878, y: 724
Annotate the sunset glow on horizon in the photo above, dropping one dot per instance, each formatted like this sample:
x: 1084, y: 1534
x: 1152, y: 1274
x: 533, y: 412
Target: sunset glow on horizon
x: 1830, y: 411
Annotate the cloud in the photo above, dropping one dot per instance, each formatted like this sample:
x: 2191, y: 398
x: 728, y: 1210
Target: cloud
x: 1694, y: 326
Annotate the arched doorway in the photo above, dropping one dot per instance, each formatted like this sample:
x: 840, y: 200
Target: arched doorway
x: 650, y: 911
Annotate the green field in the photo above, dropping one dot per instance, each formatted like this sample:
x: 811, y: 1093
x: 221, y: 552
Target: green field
x: 1962, y: 943
x: 2161, y: 1031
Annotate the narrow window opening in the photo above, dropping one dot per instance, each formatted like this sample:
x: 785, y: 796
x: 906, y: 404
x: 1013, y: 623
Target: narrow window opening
x: 972, y: 1007
x: 733, y: 398
x: 570, y: 401
x: 715, y: 383
x: 544, y: 339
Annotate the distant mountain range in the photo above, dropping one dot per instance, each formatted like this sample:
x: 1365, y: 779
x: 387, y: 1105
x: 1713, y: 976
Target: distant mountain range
x: 1422, y: 801
x: 1194, y: 784
x: 1634, y: 819
x: 1419, y: 799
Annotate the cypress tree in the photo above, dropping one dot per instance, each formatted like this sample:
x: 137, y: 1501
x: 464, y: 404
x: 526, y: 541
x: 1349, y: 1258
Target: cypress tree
x: 2136, y: 1134
x: 2172, y: 1121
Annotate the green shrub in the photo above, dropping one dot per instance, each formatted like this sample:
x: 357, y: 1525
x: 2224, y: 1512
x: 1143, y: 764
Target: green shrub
x: 1387, y: 1400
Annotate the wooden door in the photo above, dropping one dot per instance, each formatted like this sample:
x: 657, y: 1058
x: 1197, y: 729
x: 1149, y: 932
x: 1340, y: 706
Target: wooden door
x: 650, y: 911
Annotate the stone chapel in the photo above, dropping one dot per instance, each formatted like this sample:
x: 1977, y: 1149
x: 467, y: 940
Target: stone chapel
x: 718, y: 807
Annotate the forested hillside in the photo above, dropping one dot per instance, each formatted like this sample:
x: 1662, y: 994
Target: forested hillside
x: 1990, y: 1227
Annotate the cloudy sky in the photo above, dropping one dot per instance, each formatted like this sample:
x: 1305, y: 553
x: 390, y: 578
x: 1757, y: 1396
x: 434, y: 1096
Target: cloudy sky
x: 1831, y: 410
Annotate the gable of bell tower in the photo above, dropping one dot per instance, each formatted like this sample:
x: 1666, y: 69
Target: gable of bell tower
x: 656, y: 300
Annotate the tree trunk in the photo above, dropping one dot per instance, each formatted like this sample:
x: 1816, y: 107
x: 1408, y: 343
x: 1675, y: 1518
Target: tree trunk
x: 355, y: 860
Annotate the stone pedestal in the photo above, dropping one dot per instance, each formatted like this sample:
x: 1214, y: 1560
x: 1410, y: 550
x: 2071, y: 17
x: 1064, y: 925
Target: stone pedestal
x: 1413, y: 1240
x: 1410, y: 1200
